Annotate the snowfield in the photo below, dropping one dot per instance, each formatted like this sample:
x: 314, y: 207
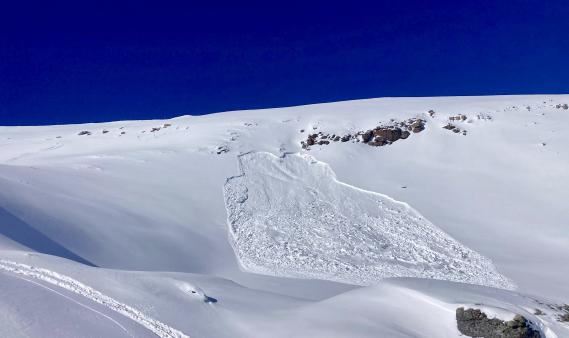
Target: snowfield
x: 226, y: 226
x: 290, y: 217
x: 158, y: 328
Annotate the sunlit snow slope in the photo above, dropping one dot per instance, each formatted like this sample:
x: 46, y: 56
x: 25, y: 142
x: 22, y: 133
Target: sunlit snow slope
x: 225, y: 226
x: 289, y: 216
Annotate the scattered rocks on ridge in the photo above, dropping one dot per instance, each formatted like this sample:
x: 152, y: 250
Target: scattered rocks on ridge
x: 84, y: 132
x: 475, y: 323
x: 377, y: 137
x: 454, y: 129
x: 484, y: 117
x: 459, y: 117
x: 562, y: 106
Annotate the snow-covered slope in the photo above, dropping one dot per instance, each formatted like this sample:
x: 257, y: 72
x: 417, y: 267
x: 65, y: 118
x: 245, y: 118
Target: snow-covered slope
x: 289, y: 216
x: 225, y: 225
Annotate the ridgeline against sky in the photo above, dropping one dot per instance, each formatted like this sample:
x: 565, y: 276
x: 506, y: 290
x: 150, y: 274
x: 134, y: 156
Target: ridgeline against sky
x: 74, y: 62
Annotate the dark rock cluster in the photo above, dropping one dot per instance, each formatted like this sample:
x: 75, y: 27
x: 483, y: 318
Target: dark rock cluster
x: 459, y: 117
x: 484, y: 117
x: 386, y: 135
x: 321, y: 139
x: 562, y: 106
x: 414, y: 125
x: 222, y: 149
x: 475, y: 323
x: 379, y: 136
x: 454, y: 129
x: 164, y: 126
x: 84, y: 132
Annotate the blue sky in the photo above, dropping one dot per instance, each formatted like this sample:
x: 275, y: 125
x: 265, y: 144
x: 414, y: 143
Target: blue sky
x: 72, y: 62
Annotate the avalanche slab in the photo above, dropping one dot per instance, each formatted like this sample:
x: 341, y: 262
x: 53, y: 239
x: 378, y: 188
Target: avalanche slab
x: 289, y: 216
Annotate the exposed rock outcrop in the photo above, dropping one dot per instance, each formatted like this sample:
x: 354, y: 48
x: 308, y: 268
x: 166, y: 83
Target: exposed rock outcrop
x: 475, y: 323
x: 222, y: 149
x: 418, y: 126
x: 454, y: 129
x: 366, y: 137
x: 379, y: 136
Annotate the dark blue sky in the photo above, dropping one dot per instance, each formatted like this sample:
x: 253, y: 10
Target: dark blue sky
x: 69, y: 62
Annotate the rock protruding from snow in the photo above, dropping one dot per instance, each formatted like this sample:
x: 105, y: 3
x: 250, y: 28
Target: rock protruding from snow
x: 290, y: 217
x: 379, y: 136
x: 475, y: 323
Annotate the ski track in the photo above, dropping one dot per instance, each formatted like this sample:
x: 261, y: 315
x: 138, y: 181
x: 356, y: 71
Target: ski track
x: 77, y: 302
x: 158, y: 328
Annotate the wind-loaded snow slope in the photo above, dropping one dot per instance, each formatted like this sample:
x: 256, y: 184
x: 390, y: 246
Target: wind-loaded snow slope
x: 226, y: 226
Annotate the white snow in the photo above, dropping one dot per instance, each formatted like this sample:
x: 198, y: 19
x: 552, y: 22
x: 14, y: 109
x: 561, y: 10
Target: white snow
x: 290, y: 217
x: 139, y: 219
x: 160, y: 329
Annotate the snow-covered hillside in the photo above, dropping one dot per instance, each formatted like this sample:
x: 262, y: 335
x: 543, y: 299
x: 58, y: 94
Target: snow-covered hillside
x: 285, y: 222
x: 289, y: 216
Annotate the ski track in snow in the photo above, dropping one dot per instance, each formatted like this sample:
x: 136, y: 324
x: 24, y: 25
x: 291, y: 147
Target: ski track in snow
x: 289, y: 216
x: 77, y: 302
x: 158, y: 328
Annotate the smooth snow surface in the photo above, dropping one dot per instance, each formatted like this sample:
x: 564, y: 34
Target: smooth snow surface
x: 289, y: 216
x: 160, y: 329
